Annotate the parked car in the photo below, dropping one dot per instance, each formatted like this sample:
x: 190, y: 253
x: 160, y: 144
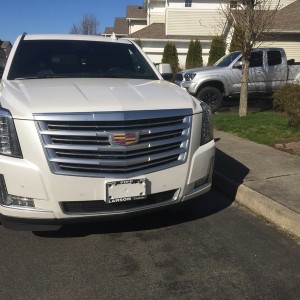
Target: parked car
x: 268, y: 70
x: 89, y: 129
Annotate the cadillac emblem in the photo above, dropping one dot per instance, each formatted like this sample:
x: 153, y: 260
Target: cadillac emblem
x: 124, y: 138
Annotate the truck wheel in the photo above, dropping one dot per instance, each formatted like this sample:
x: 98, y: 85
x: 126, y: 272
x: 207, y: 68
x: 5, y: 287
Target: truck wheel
x: 212, y: 96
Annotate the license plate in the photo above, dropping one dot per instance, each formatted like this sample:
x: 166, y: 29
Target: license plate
x: 125, y: 190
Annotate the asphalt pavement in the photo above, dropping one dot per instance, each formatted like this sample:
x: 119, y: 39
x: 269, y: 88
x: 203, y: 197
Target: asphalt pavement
x: 263, y: 179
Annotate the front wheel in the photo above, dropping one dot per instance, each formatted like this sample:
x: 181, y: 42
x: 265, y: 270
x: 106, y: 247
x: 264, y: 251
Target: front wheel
x: 212, y: 96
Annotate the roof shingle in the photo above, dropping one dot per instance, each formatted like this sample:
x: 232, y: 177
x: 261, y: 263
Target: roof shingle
x: 288, y: 18
x: 136, y: 12
x: 158, y: 31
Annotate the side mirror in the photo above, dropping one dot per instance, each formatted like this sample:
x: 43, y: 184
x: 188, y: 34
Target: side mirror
x: 238, y: 65
x: 166, y: 71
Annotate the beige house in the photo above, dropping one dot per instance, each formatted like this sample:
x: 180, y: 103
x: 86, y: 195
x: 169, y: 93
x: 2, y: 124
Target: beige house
x: 158, y: 21
x: 286, y: 31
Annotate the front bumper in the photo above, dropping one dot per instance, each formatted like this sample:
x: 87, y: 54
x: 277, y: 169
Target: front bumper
x: 51, y: 192
x: 189, y: 86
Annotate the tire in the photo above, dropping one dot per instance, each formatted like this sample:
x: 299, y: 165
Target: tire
x: 211, y: 96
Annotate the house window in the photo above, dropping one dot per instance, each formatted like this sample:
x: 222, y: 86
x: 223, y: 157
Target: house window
x: 188, y: 3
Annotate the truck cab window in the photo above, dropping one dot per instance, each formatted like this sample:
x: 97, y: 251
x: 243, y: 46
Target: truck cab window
x: 256, y: 59
x: 274, y: 58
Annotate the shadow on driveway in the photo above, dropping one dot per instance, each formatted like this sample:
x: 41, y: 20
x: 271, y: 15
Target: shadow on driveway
x: 229, y: 174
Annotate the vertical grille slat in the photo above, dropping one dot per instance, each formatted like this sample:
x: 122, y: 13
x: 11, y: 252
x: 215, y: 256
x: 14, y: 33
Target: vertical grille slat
x: 115, y: 144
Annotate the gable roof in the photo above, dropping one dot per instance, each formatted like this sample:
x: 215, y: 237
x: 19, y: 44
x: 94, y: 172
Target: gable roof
x: 136, y: 12
x: 157, y: 31
x: 288, y: 18
x: 108, y: 30
x: 120, y: 26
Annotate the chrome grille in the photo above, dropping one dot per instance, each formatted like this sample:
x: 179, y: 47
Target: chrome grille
x: 89, y: 144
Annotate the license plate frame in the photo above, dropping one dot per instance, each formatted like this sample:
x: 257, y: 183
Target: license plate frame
x: 126, y: 190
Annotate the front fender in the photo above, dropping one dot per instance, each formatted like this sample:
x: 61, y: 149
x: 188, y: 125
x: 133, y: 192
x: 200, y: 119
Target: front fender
x: 197, y: 83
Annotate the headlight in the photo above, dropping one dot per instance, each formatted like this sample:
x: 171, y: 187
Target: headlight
x: 9, y: 143
x: 207, y: 128
x: 189, y: 76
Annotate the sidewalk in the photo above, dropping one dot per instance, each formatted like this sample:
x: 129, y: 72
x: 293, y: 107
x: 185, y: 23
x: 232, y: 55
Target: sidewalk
x: 265, y: 180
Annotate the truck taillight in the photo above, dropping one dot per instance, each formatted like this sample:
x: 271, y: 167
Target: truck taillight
x: 9, y: 143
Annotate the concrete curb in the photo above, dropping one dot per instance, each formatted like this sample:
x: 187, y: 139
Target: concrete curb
x: 273, y: 211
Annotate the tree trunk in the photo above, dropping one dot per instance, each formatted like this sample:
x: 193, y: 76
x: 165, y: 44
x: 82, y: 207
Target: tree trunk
x: 244, y: 89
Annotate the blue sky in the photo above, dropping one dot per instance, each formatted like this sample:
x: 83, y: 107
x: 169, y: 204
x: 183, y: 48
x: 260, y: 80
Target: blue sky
x: 56, y: 16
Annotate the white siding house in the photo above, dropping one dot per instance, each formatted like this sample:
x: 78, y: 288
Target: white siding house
x: 203, y: 22
x: 156, y: 22
x: 171, y: 20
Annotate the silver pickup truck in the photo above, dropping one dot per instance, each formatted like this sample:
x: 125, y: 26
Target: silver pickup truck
x: 269, y: 70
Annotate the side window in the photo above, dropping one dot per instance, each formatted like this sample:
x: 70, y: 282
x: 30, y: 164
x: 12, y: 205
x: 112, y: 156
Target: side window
x: 256, y: 59
x: 274, y: 58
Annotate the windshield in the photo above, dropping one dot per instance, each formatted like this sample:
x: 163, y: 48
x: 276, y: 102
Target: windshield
x: 226, y: 60
x: 36, y: 59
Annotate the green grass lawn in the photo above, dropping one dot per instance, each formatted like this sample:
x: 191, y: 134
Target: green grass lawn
x: 266, y: 128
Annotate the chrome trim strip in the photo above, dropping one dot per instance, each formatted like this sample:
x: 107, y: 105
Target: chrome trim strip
x: 113, y: 116
x: 116, y: 163
x: 27, y: 208
x: 109, y: 148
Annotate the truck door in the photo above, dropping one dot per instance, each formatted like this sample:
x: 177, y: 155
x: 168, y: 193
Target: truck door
x: 257, y: 76
x: 276, y: 70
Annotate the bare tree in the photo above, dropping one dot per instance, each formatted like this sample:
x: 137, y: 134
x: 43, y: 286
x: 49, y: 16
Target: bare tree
x: 88, y: 25
x: 253, y: 19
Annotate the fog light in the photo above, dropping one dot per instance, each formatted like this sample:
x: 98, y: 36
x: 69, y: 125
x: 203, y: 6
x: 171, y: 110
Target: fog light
x: 18, y: 201
x: 208, y: 178
x: 200, y: 182
x: 13, y: 200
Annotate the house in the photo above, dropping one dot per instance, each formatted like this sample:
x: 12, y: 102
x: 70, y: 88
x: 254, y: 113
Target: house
x: 136, y: 19
x: 159, y: 21
x: 180, y: 21
x: 120, y: 28
x: 285, y: 32
x: 5, y: 47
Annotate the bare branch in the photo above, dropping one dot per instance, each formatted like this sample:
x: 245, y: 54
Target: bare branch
x: 251, y: 19
x: 88, y: 25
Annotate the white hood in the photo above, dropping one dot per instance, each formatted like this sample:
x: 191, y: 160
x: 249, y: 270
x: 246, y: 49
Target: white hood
x: 27, y: 97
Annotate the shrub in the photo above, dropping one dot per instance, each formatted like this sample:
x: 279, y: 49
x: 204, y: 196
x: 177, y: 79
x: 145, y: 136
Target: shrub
x: 194, y: 56
x: 189, y: 57
x: 170, y: 56
x: 287, y: 100
x: 217, y: 50
x: 139, y: 43
x: 236, y: 41
x: 198, y: 60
